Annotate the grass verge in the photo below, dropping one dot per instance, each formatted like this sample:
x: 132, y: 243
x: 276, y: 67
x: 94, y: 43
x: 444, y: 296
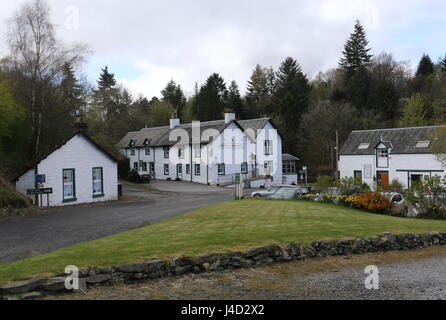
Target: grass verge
x: 227, y: 226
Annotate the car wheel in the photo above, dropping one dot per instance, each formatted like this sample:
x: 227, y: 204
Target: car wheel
x: 257, y: 195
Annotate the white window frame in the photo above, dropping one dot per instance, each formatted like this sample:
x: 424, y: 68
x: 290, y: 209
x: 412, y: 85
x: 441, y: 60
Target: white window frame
x: 197, y: 172
x: 100, y: 181
x: 166, y: 169
x: 71, y: 183
x: 166, y: 152
x: 221, y: 168
x: 268, y: 145
x: 244, y: 167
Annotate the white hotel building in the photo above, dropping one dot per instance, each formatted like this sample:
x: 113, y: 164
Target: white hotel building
x: 210, y: 152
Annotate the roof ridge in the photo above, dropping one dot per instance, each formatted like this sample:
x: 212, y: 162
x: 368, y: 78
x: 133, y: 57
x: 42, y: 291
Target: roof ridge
x: 402, y: 128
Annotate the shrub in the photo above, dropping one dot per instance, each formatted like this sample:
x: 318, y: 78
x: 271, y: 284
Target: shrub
x: 372, y: 201
x: 324, y: 182
x: 350, y: 185
x: 428, y: 197
x: 9, y: 198
x: 396, y: 186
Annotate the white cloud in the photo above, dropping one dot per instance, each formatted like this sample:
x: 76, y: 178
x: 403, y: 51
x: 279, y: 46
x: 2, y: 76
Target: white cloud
x: 189, y: 40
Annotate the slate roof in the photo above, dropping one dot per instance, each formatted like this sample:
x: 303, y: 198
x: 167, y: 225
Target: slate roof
x: 400, y: 140
x: 289, y: 157
x: 81, y: 133
x: 160, y: 136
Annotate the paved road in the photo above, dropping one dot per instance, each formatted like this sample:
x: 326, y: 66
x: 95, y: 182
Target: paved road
x: 22, y: 237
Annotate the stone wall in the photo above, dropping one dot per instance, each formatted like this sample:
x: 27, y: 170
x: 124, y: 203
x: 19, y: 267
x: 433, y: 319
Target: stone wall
x: 154, y: 269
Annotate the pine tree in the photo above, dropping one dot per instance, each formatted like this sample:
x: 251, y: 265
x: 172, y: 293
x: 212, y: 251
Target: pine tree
x: 106, y: 79
x: 442, y: 64
x: 211, y: 100
x: 356, y: 52
x: 290, y: 100
x: 426, y: 66
x: 257, y: 91
x: 174, y: 95
x: 414, y: 113
x: 234, y: 101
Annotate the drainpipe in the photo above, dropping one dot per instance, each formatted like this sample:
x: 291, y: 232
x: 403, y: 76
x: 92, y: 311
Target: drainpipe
x: 154, y: 163
x: 190, y: 164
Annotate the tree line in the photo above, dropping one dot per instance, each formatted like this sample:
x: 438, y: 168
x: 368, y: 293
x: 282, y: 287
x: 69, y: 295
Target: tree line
x: 42, y: 88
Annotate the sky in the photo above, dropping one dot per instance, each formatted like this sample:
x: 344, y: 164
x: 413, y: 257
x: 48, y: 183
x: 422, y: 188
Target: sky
x: 146, y: 43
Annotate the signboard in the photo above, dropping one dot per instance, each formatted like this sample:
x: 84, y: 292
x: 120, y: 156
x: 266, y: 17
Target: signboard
x: 33, y: 192
x: 237, y: 179
x: 40, y: 178
x: 304, y: 168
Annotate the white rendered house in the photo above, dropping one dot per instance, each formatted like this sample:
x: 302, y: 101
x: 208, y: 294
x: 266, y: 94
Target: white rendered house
x: 380, y: 156
x: 210, y: 152
x: 78, y: 171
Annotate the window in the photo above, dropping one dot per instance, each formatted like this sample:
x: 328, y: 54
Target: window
x: 180, y: 153
x: 383, y: 153
x: 363, y: 146
x: 98, y: 183
x: 197, y: 169
x: 357, y: 174
x: 289, y: 167
x: 69, y: 185
x: 166, y: 169
x: 423, y: 144
x: 188, y: 168
x: 221, y: 169
x: 368, y: 171
x: 268, y: 147
x: 166, y: 152
x: 197, y: 151
x: 244, y: 167
x: 143, y: 166
x: 135, y: 166
x: 132, y: 151
x: 152, y: 167
x: 147, y: 147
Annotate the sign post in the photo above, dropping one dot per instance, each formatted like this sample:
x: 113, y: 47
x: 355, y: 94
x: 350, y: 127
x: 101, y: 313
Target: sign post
x: 305, y: 169
x: 39, y: 192
x: 238, y: 186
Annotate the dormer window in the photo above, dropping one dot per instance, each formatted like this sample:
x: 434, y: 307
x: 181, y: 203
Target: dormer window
x: 363, y: 146
x: 383, y: 153
x: 423, y: 144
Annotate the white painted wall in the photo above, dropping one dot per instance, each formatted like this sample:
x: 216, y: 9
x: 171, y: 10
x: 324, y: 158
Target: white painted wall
x: 79, y: 154
x: 270, y: 133
x: 213, y: 154
x: 350, y: 163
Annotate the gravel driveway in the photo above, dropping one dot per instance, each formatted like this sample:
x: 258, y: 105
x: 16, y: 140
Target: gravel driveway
x: 418, y: 274
x: 22, y: 237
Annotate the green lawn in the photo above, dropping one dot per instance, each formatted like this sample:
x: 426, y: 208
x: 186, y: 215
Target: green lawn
x: 228, y: 226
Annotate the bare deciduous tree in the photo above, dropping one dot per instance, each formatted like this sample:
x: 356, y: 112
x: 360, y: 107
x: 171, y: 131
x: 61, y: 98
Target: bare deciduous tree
x: 39, y: 58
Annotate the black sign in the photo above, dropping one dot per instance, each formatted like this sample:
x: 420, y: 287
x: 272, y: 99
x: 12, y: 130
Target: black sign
x: 32, y: 192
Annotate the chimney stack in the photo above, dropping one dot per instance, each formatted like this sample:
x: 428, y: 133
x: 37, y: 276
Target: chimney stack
x: 79, y: 122
x: 174, y: 123
x: 229, y: 116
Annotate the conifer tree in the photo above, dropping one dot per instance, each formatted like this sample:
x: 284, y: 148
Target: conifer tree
x: 426, y: 66
x: 356, y: 51
x: 414, y: 114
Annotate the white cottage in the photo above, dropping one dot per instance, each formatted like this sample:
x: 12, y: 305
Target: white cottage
x: 380, y: 156
x: 78, y: 171
x: 210, y: 152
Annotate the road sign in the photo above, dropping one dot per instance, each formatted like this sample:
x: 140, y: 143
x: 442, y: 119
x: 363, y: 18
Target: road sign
x: 40, y: 178
x: 33, y: 192
x: 237, y: 179
x: 304, y: 168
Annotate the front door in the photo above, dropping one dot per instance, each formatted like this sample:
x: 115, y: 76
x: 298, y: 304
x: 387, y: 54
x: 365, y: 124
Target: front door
x: 383, y: 179
x: 180, y: 171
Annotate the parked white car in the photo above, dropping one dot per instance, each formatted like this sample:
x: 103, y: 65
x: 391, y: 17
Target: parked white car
x: 271, y: 190
x: 289, y: 192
